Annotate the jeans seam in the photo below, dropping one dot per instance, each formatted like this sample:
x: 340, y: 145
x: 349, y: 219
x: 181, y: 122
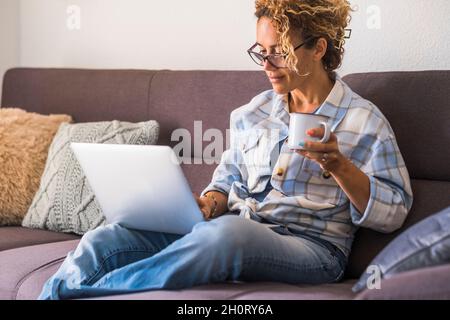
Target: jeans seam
x: 289, y: 266
x: 108, y: 256
x: 285, y: 264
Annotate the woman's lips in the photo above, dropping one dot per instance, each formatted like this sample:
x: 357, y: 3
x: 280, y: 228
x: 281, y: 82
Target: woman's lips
x: 276, y: 79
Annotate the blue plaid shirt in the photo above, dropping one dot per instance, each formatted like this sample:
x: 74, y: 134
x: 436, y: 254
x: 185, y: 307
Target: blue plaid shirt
x: 267, y: 182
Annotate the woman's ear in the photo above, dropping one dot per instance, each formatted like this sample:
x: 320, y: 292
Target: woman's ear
x: 320, y: 49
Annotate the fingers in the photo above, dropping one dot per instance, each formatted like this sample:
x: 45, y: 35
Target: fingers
x: 318, y: 157
x: 205, y: 214
x: 319, y: 133
x: 314, y: 146
x: 315, y: 150
x: 311, y: 154
x: 318, y: 146
x: 201, y: 202
x: 316, y: 132
x: 203, y: 205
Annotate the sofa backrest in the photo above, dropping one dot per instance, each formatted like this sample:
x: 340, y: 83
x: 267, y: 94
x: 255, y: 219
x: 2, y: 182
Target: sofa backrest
x: 415, y: 103
x: 85, y: 94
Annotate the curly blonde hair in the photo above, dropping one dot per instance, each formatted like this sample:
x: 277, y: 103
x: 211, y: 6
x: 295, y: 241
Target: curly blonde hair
x: 309, y: 19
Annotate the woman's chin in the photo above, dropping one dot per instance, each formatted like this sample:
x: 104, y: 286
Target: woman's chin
x: 280, y: 89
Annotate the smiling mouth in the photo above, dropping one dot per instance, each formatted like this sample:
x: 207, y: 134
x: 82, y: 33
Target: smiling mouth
x: 276, y: 78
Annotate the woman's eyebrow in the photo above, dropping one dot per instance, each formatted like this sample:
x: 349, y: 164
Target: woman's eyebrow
x: 272, y: 46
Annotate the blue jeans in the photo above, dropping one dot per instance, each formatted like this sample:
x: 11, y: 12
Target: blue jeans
x: 116, y: 260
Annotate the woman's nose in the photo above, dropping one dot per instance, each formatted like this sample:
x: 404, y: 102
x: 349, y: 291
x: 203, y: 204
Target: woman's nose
x: 268, y: 66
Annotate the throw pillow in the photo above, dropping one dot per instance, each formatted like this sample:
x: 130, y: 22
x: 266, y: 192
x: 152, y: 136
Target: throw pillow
x: 425, y: 244
x: 65, y: 202
x: 24, y: 141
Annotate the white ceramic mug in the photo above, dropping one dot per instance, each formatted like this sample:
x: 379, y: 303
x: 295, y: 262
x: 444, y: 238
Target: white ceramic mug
x: 299, y: 123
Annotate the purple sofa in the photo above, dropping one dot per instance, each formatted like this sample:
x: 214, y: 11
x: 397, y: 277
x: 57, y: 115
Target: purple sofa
x: 417, y: 105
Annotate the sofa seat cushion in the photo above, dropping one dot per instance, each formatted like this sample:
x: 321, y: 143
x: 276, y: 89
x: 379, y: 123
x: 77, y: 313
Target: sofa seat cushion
x: 430, y: 283
x: 21, y: 263
x: 249, y: 291
x: 25, y: 270
x: 16, y: 237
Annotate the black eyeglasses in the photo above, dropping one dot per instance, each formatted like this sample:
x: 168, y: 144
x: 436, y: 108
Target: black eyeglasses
x: 275, y: 59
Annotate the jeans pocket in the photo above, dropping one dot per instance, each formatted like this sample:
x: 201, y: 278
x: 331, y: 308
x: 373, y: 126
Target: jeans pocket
x: 337, y: 262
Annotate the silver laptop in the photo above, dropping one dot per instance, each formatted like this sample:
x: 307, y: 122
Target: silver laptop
x: 139, y: 187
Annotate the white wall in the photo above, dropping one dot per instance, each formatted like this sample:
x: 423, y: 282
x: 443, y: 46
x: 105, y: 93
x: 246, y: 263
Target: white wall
x: 209, y: 34
x: 412, y: 35
x: 9, y: 36
x: 149, y: 34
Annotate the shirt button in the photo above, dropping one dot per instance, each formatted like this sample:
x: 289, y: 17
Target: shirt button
x: 326, y: 175
x: 280, y: 172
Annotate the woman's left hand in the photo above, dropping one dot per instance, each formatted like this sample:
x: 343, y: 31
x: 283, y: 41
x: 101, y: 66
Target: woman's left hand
x: 326, y: 154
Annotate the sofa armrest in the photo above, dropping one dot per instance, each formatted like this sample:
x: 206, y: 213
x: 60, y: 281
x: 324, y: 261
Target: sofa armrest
x: 423, y: 284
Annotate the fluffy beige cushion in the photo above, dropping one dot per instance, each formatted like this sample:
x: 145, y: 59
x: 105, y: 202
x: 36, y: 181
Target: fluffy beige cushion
x: 24, y: 141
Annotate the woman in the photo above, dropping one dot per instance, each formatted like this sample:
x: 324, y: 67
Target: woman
x: 290, y: 217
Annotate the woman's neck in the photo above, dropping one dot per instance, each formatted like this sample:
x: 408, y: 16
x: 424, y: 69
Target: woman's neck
x: 311, y: 93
